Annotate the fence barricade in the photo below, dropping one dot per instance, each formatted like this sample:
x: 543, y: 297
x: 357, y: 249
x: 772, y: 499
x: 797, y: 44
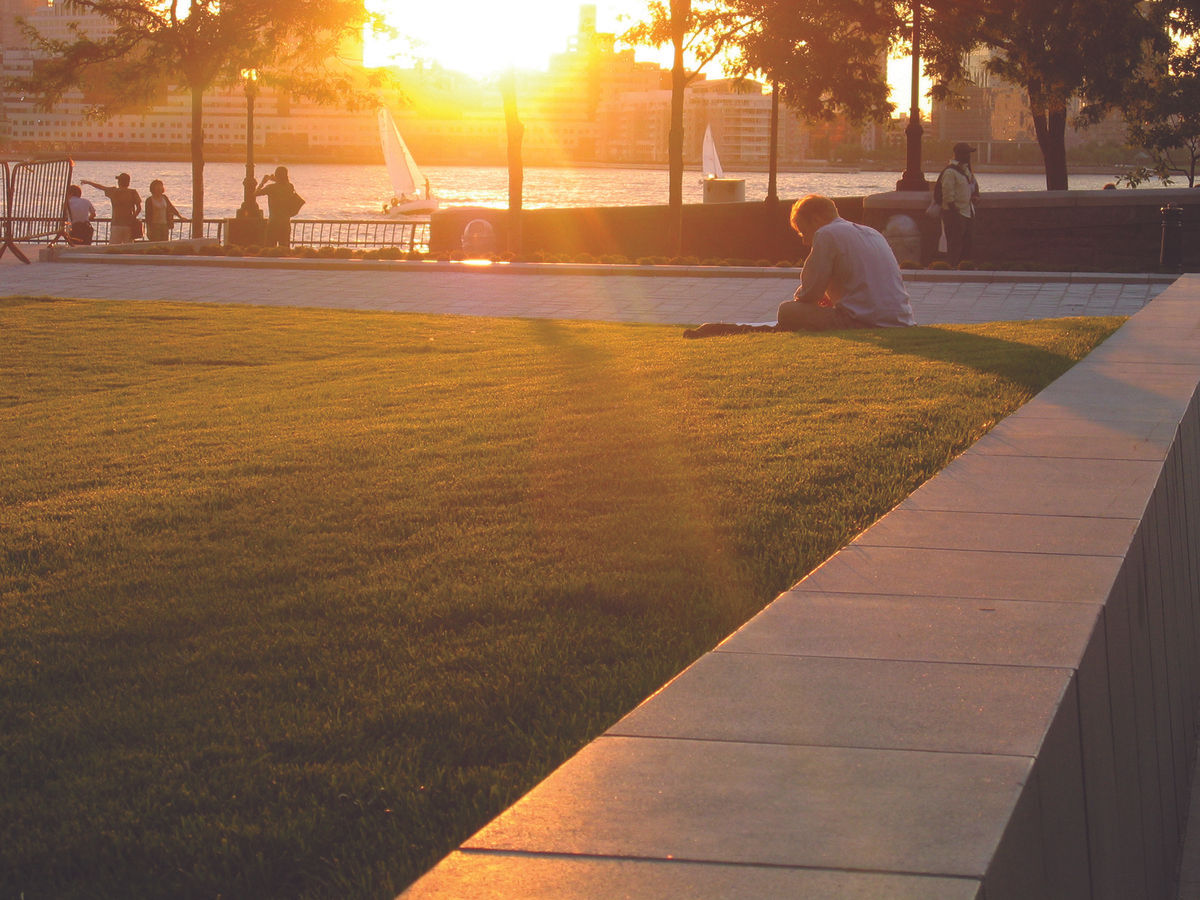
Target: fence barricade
x: 34, y: 194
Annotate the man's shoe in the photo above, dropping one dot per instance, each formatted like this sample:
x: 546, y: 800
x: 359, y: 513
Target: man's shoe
x: 717, y: 329
x: 714, y: 329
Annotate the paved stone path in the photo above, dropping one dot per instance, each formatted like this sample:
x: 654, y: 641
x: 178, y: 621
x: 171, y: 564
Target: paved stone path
x: 587, y: 293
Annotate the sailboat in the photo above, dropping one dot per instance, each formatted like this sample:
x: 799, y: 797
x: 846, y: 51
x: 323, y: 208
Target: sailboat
x: 718, y: 188
x: 411, y: 195
x: 710, y: 163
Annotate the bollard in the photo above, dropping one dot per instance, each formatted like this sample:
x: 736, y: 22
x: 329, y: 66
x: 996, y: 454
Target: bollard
x: 1170, y: 255
x: 479, y: 239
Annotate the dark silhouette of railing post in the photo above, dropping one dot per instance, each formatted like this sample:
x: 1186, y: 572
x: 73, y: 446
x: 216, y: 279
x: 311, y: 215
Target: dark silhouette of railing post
x: 1170, y: 254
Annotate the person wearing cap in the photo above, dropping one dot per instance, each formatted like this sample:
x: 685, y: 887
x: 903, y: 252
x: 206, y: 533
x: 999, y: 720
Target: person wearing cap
x: 960, y: 190
x: 126, y: 205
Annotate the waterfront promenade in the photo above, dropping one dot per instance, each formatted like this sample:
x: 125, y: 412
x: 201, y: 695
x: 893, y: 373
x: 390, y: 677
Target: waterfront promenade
x: 683, y: 296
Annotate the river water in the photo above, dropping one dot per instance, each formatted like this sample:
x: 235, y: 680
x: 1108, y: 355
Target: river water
x: 357, y: 191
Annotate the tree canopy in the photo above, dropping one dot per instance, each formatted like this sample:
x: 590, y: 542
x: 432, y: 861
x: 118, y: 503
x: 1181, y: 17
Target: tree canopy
x: 824, y: 55
x: 1060, y: 50
x: 1162, y: 105
x: 293, y: 44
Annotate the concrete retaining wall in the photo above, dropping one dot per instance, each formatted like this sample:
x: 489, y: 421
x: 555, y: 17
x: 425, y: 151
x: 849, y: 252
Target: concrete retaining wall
x: 990, y: 693
x: 747, y: 231
x: 1111, y: 231
x: 1108, y: 231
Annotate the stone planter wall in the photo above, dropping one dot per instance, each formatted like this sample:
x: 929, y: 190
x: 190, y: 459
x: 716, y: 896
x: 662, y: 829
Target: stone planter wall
x: 1094, y: 230
x: 990, y: 693
x: 1109, y: 231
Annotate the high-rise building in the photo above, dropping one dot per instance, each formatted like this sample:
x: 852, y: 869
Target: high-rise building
x: 994, y: 115
x: 11, y: 35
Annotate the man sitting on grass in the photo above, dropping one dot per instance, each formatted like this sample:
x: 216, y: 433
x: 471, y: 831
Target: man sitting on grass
x: 850, y: 279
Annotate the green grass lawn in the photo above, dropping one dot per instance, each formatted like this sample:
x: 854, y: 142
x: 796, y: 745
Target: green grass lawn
x: 293, y: 601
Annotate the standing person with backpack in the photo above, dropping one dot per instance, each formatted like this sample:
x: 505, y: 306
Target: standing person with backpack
x: 956, y: 191
x: 282, y: 203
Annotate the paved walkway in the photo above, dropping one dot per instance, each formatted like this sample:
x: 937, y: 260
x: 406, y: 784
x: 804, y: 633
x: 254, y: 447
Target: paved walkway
x: 587, y: 292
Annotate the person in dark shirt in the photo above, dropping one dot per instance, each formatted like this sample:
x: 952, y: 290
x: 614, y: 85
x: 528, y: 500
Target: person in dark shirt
x: 126, y: 205
x: 282, y: 203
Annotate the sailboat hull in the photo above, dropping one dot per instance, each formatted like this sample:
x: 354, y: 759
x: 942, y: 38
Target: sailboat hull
x: 724, y: 190
x: 414, y: 208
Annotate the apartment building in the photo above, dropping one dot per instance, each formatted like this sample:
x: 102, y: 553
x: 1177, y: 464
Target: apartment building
x: 994, y: 115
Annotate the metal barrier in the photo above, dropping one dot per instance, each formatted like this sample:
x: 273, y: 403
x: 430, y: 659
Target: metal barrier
x: 34, y: 197
x: 361, y: 234
x: 180, y: 230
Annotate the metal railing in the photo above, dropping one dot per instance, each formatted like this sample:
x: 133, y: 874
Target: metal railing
x: 180, y: 231
x: 355, y: 234
x: 361, y: 234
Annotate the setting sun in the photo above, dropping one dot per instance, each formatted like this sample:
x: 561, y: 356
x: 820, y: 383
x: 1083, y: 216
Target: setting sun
x: 482, y: 37
x: 524, y: 34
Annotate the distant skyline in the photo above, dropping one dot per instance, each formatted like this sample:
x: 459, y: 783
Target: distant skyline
x: 525, y: 34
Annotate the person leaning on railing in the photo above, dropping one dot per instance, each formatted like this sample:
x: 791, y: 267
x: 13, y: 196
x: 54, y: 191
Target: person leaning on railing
x: 160, y: 213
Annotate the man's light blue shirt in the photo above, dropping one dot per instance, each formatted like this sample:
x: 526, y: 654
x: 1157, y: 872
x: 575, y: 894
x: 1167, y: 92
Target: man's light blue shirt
x: 856, y: 268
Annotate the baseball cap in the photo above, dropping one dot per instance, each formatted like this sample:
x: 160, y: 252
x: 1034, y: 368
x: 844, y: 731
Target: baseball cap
x: 963, y: 147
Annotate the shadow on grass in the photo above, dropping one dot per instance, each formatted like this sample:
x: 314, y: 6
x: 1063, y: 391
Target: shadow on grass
x: 1018, y: 362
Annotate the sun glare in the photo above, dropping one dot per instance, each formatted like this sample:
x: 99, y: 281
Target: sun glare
x: 483, y: 37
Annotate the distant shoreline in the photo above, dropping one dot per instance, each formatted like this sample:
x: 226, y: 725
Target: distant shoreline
x: 932, y: 167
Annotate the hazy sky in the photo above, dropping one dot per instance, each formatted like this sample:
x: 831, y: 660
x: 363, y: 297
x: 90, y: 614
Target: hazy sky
x: 483, y: 37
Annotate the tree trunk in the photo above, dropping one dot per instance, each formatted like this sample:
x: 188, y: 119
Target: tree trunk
x: 773, y: 149
x: 516, y: 169
x: 197, y: 163
x: 680, y: 11
x: 1050, y: 126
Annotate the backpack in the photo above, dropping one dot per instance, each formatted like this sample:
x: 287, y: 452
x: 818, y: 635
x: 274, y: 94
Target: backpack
x: 937, y: 185
x: 934, y: 209
x: 294, y: 203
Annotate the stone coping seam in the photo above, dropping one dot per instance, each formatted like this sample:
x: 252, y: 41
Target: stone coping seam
x: 950, y: 276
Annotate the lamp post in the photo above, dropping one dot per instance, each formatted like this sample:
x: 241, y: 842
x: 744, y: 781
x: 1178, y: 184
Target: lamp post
x: 249, y: 208
x: 913, y: 178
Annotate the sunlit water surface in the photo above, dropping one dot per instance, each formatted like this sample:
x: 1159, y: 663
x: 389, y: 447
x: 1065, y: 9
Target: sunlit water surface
x: 357, y: 191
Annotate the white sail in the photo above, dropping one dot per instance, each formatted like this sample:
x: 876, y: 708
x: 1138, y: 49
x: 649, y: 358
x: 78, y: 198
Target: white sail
x: 710, y: 163
x: 410, y: 188
x: 402, y: 168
